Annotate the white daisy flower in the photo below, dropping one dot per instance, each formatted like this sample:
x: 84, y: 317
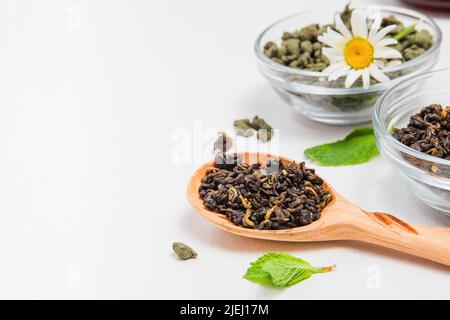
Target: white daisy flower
x: 355, y: 53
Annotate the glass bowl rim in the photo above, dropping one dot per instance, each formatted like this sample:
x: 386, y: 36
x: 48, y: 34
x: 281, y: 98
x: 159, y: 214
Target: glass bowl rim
x: 373, y: 88
x: 383, y: 131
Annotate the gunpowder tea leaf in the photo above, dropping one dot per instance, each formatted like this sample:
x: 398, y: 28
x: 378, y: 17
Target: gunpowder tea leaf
x: 358, y: 147
x: 227, y: 161
x: 264, y: 129
x: 183, y: 251
x: 271, y: 196
x: 247, y: 128
x: 244, y: 128
x: 281, y: 270
x: 223, y: 143
x: 428, y: 131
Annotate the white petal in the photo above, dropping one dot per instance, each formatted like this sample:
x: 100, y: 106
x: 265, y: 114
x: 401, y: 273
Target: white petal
x: 332, y: 51
x: 336, y: 59
x: 352, y: 76
x: 377, y: 74
x: 382, y: 33
x: 366, y: 78
x: 339, y: 73
x: 331, y: 40
x: 386, y: 42
x: 337, y: 39
x: 379, y: 63
x: 333, y: 54
x: 342, y: 28
x: 359, y: 23
x: 375, y: 25
x: 334, y: 33
x: 333, y: 67
x: 386, y: 53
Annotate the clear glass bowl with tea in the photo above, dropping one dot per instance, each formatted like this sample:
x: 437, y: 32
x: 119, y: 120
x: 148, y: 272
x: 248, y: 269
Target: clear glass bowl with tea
x: 410, y: 122
x: 309, y: 92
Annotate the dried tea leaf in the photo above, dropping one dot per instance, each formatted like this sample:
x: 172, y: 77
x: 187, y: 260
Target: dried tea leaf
x: 427, y: 131
x: 223, y: 143
x: 227, y: 160
x: 424, y: 39
x: 264, y: 196
x: 358, y: 147
x: 264, y: 129
x: 412, y: 52
x: 183, y: 251
x: 243, y: 127
x: 281, y: 270
x: 246, y: 128
x: 260, y: 123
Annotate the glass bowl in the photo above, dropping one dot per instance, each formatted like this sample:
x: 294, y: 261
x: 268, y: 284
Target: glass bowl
x: 313, y: 95
x: 428, y: 177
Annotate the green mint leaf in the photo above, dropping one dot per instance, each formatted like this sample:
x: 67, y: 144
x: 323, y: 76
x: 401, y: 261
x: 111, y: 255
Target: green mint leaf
x: 256, y: 274
x: 358, y: 132
x: 358, y: 147
x: 281, y: 270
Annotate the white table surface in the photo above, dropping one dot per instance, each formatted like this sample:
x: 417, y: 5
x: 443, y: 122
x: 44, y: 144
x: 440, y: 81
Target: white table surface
x: 107, y: 108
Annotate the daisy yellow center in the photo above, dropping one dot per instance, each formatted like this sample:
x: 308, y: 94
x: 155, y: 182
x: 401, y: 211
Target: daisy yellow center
x: 358, y: 53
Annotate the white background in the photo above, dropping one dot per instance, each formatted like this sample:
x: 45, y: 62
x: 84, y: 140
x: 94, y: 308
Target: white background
x: 94, y: 97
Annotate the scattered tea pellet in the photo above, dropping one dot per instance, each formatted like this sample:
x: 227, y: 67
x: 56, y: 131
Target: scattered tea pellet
x: 244, y: 128
x: 183, y: 251
x: 223, y: 143
x: 247, y: 128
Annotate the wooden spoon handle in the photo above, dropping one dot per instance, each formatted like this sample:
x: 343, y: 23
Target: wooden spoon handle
x: 431, y: 243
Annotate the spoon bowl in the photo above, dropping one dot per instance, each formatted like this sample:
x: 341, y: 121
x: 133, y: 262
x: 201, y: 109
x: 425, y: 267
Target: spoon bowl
x: 340, y: 220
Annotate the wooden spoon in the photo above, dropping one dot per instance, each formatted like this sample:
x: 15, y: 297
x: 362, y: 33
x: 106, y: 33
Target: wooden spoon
x: 340, y: 220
